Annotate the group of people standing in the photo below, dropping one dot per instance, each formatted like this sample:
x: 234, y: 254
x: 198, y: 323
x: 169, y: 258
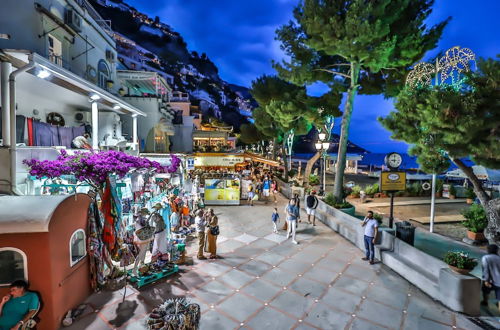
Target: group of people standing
x: 292, y: 212
x: 262, y: 187
x: 207, y: 228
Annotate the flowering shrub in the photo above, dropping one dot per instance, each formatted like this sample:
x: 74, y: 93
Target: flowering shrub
x: 94, y: 167
x: 460, y: 260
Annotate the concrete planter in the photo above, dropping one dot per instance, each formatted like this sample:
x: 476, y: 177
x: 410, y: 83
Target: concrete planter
x: 350, y: 210
x: 460, y: 270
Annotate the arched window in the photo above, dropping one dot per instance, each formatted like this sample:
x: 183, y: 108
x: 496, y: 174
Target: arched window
x: 13, y: 265
x: 102, y: 74
x: 77, y: 250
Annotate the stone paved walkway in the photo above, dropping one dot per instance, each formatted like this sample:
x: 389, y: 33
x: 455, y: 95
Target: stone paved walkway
x: 266, y: 282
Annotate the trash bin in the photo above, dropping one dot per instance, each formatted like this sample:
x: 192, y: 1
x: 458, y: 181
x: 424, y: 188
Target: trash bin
x: 405, y: 231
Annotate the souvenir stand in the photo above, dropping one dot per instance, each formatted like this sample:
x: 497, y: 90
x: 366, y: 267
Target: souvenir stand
x: 218, y: 176
x: 150, y: 200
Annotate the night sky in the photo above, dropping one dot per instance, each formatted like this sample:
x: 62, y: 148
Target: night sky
x: 238, y: 36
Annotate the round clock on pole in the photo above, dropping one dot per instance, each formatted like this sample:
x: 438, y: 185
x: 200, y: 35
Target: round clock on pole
x: 393, y: 160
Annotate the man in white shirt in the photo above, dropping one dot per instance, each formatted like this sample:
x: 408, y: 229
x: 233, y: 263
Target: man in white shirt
x: 371, y: 230
x: 200, y: 224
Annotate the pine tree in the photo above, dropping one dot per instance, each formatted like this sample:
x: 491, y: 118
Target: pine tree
x: 456, y: 121
x: 355, y: 45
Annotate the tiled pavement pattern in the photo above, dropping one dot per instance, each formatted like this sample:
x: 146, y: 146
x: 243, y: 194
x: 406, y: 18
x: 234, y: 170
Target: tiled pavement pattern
x: 266, y: 282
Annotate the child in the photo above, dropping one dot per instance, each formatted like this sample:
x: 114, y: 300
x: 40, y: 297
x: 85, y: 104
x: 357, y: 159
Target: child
x: 276, y: 218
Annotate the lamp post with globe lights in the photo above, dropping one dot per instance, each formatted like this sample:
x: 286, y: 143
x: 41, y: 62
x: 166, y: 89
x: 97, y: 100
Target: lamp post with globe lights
x: 322, y: 146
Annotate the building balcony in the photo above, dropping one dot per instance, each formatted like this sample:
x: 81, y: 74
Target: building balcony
x: 179, y: 97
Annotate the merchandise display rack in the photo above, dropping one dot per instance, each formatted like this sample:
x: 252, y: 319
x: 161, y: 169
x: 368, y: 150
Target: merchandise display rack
x: 141, y: 281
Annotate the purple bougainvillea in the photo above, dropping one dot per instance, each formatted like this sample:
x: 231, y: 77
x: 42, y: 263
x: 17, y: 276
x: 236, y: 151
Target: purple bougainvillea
x: 94, y: 167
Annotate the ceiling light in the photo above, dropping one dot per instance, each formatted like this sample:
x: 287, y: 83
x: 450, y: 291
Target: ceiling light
x: 116, y: 107
x: 94, y: 97
x: 42, y: 73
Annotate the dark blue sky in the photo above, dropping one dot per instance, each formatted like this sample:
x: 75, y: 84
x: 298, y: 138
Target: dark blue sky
x: 238, y: 36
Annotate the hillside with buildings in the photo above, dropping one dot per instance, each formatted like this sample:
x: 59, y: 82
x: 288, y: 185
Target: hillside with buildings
x: 147, y: 44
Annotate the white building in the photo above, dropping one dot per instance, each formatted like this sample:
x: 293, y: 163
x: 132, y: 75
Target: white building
x: 151, y: 93
x: 58, y: 61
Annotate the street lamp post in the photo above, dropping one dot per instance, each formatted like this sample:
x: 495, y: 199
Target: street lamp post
x: 323, y: 148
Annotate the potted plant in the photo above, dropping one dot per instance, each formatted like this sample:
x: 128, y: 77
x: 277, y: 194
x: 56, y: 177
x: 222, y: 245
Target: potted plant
x: 109, y: 84
x: 470, y: 195
x: 439, y: 188
x: 355, y: 191
x: 460, y: 262
x: 453, y: 192
x: 475, y: 222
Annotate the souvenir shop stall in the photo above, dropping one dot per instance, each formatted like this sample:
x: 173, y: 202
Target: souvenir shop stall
x: 218, y: 177
x: 129, y: 206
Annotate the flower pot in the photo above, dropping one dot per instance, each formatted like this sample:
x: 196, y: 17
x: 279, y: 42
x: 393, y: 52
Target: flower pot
x: 452, y: 197
x: 459, y: 270
x: 469, y: 201
x: 475, y: 236
x: 439, y: 194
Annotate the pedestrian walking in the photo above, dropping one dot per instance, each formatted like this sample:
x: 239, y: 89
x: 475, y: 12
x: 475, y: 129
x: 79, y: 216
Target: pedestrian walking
x: 201, y: 225
x: 371, y: 230
x: 275, y: 217
x: 266, y: 188
x: 274, y: 189
x: 258, y: 188
x: 250, y: 193
x: 491, y: 274
x: 292, y: 214
x: 212, y: 233
x: 296, y: 198
x: 311, y: 205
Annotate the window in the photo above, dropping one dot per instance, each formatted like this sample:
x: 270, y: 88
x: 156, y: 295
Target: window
x: 102, y: 74
x: 13, y: 265
x: 77, y: 248
x: 55, y: 50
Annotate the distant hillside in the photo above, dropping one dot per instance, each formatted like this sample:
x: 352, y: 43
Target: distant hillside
x: 193, y: 73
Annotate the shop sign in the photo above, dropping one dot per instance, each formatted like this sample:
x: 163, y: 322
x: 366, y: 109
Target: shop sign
x: 190, y: 164
x: 392, y: 181
x: 227, y: 161
x: 221, y: 190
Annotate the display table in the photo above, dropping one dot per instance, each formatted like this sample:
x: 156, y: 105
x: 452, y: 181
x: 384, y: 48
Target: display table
x: 141, y: 281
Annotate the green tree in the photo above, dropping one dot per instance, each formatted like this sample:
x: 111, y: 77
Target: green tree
x: 355, y: 45
x: 463, y: 121
x: 249, y: 134
x: 284, y: 107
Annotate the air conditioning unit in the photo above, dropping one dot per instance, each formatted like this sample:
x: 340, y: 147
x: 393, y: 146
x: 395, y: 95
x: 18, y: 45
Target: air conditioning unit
x: 73, y: 20
x: 110, y: 56
x: 82, y: 117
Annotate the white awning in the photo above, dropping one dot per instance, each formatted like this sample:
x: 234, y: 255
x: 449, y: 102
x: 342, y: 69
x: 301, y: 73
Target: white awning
x: 72, y: 81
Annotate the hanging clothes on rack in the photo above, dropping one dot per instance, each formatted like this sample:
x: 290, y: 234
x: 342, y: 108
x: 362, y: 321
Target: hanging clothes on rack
x: 29, y: 122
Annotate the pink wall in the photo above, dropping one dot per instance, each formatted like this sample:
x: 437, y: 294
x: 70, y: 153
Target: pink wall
x: 61, y: 287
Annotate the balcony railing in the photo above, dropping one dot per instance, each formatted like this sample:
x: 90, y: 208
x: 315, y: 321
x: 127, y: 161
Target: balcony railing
x: 105, y: 24
x: 58, y: 60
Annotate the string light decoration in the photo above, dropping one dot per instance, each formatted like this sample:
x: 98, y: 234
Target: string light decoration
x: 455, y: 61
x: 420, y: 75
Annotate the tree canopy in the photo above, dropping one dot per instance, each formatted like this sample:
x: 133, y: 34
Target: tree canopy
x: 455, y: 121
x: 355, y: 45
